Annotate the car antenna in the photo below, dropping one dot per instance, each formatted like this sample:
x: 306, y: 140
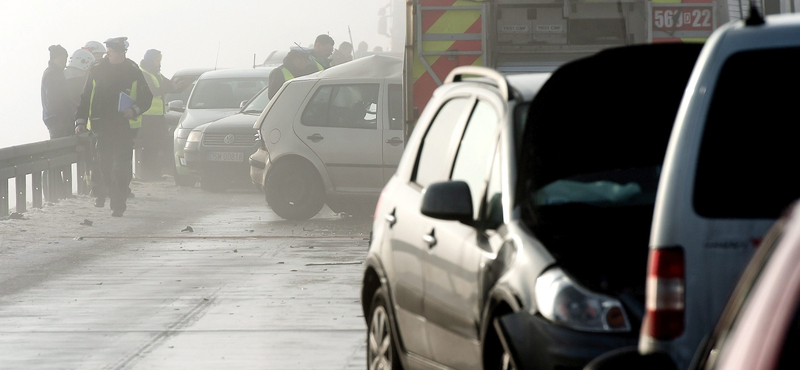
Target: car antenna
x: 217, y: 60
x: 754, y: 18
x: 352, y: 45
x: 254, y: 60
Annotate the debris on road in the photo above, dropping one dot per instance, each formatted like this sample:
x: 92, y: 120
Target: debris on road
x: 86, y: 222
x: 333, y: 263
x: 78, y: 238
x: 188, y: 229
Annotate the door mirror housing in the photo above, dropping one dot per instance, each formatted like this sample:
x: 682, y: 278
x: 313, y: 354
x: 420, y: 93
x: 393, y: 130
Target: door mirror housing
x: 449, y: 200
x: 176, y: 105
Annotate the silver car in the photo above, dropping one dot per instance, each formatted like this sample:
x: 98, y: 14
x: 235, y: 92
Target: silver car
x: 216, y: 94
x: 333, y: 137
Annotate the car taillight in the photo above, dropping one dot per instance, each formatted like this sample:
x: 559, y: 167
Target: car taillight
x: 665, y: 302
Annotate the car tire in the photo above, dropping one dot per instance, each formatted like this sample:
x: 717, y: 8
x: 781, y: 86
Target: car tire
x: 495, y: 356
x: 381, y: 346
x: 185, y: 181
x: 294, y: 191
x: 214, y: 184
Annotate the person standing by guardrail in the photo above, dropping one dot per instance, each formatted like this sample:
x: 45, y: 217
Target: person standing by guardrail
x: 57, y: 114
x: 115, y: 96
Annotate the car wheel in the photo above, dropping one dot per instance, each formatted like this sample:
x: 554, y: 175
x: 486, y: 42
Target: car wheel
x: 495, y: 356
x: 185, y: 181
x: 381, y: 349
x: 294, y: 191
x: 214, y: 184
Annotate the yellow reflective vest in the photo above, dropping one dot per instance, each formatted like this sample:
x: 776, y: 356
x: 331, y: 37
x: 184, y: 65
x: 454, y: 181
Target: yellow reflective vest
x: 157, y: 107
x: 134, y: 123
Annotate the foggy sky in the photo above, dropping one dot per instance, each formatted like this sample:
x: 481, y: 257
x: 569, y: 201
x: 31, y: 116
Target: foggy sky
x: 188, y: 33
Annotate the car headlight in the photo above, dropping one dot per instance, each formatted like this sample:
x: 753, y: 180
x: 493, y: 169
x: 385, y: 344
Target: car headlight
x: 181, y: 133
x: 564, y: 302
x: 195, y: 137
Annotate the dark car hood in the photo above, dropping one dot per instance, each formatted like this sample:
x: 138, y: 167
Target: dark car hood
x: 610, y: 112
x: 237, y: 123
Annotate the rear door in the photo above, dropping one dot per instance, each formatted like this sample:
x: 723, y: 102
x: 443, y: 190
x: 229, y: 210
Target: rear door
x: 342, y: 124
x: 393, y: 142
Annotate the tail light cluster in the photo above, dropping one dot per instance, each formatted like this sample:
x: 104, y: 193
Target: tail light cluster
x: 665, y: 295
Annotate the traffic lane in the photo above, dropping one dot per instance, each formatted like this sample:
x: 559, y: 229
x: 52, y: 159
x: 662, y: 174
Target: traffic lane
x: 198, y: 299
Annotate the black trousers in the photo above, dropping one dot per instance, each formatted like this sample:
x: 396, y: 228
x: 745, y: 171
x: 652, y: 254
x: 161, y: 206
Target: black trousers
x: 114, y: 165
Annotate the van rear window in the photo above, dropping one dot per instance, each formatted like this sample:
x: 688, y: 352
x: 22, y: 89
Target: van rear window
x: 749, y: 149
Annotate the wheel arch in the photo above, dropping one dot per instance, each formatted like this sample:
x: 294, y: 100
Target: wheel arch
x: 313, y: 162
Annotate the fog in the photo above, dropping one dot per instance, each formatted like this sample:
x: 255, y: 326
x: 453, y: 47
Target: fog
x: 188, y: 33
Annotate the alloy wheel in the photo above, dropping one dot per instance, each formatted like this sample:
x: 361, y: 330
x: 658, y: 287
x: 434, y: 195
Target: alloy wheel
x: 379, y: 341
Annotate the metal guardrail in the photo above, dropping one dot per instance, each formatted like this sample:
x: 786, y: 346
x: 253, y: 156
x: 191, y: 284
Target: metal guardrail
x: 55, y: 156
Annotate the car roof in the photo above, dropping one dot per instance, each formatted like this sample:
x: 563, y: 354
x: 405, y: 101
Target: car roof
x: 191, y: 72
x: 238, y: 73
x: 375, y: 66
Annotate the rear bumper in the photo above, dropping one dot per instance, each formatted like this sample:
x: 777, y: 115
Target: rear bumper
x: 259, y: 162
x: 535, y: 343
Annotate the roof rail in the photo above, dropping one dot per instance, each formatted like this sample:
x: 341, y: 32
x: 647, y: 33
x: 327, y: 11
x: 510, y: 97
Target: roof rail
x: 458, y: 73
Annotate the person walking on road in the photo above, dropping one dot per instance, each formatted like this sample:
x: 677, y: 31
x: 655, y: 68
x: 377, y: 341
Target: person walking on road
x: 114, y: 118
x: 153, y: 140
x: 323, y: 48
x: 296, y: 63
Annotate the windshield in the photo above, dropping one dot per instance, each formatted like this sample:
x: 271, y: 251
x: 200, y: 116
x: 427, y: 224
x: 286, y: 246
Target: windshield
x: 224, y: 93
x: 258, y: 103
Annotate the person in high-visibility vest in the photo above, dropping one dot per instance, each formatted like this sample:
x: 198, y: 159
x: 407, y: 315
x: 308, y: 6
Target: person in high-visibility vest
x: 296, y: 63
x: 153, y: 142
x: 323, y: 48
x: 114, y: 119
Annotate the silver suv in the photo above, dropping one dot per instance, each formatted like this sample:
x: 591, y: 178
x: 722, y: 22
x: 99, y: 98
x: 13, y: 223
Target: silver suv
x: 514, y: 233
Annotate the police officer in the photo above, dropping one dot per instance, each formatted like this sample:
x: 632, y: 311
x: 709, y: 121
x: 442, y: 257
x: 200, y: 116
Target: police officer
x: 323, y: 48
x: 114, y: 119
x: 296, y: 63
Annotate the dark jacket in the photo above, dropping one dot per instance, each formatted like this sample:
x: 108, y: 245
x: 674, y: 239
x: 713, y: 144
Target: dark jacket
x: 56, y: 108
x: 107, y: 81
x: 276, y: 77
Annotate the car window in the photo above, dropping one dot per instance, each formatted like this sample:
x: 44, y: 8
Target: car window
x: 344, y: 106
x: 475, y: 151
x: 748, y: 147
x: 395, y: 107
x: 493, y: 204
x: 224, y: 93
x: 431, y: 166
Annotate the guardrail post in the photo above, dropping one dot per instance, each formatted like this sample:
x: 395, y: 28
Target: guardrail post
x: 67, y: 184
x: 37, y: 189
x: 3, y: 197
x: 22, y: 201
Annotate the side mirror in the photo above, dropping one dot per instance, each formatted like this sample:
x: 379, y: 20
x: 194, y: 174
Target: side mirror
x: 176, y: 105
x: 243, y: 103
x: 630, y: 358
x: 449, y: 200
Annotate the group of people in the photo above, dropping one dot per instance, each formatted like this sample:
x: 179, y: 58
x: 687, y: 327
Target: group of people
x: 300, y: 62
x: 116, y: 100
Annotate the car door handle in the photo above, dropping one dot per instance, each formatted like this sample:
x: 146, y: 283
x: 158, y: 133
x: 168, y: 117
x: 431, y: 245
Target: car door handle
x: 395, y: 141
x: 429, y: 239
x: 315, y: 138
x: 391, y: 218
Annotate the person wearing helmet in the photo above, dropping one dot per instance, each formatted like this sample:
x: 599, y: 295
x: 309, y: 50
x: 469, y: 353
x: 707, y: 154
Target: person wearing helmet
x: 115, y: 96
x: 75, y: 74
x: 153, y: 140
x: 97, y: 49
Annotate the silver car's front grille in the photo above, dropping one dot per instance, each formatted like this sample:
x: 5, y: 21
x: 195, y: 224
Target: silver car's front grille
x: 229, y: 139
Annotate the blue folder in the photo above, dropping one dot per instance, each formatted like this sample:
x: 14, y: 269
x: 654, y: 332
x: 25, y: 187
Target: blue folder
x: 125, y: 102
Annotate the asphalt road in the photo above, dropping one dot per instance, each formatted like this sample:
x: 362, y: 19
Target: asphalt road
x: 243, y: 290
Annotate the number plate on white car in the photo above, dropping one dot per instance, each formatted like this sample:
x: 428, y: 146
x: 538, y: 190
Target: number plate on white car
x: 225, y: 157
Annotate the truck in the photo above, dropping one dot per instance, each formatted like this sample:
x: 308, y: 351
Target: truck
x: 519, y: 36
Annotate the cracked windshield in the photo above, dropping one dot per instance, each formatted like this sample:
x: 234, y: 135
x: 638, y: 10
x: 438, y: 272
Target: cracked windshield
x: 400, y: 184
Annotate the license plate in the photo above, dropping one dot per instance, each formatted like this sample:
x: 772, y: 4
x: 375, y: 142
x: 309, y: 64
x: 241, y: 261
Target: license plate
x: 225, y: 157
